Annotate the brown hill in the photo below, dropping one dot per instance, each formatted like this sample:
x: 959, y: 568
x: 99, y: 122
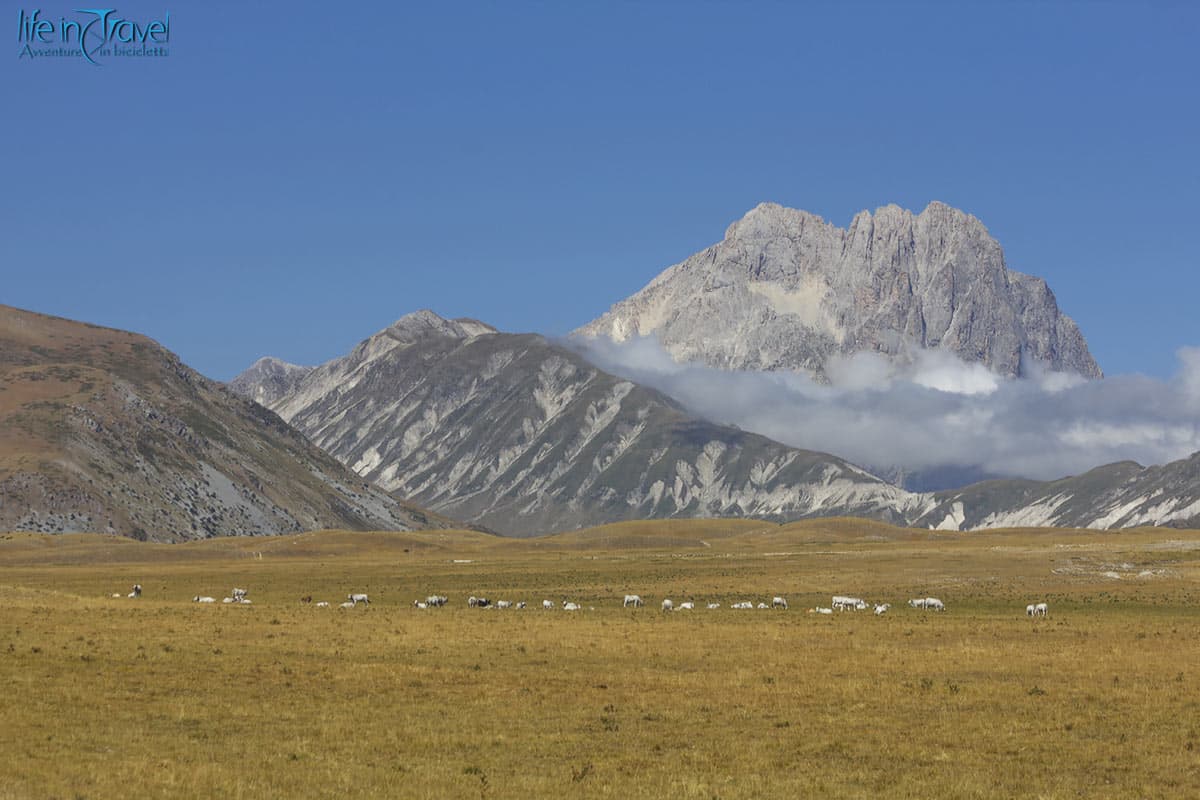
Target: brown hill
x: 106, y: 431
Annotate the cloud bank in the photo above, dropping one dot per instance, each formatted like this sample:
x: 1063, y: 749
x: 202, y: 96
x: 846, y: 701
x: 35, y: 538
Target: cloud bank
x: 937, y: 415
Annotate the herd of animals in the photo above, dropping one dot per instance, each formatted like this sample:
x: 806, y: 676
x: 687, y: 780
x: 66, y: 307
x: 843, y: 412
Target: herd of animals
x: 838, y: 603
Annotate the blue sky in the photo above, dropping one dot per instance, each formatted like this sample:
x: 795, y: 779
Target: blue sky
x: 293, y: 177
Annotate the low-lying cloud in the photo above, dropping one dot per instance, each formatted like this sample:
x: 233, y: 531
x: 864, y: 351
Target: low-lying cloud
x: 938, y: 414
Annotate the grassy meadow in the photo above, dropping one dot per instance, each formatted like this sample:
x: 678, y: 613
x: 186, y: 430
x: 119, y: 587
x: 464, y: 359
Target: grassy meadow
x: 161, y: 697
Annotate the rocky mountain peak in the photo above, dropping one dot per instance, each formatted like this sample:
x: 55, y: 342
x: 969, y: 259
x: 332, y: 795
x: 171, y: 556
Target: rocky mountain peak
x: 425, y: 322
x: 770, y: 221
x: 787, y: 290
x: 267, y: 379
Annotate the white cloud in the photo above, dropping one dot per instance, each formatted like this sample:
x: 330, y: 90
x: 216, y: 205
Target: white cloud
x: 939, y: 412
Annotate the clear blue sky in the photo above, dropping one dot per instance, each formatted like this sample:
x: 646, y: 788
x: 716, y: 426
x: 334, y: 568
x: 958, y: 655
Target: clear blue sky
x: 293, y: 177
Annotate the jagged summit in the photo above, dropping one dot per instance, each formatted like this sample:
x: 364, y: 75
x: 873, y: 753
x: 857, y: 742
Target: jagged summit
x: 787, y: 290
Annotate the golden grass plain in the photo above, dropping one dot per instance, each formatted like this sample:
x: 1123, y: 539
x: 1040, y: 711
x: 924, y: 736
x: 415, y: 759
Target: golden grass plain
x: 161, y: 697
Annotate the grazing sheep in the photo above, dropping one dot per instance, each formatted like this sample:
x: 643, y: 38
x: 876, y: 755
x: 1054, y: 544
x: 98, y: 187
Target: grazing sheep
x: 779, y: 602
x: 882, y: 609
x: 1029, y: 610
x: 520, y: 605
x: 503, y: 604
x: 668, y: 605
x: 137, y: 591
x: 548, y: 605
x: 238, y: 594
x: 917, y: 602
x: 420, y: 604
x: 933, y: 604
x: 1041, y: 609
x: 358, y: 597
x: 843, y: 603
x: 632, y: 600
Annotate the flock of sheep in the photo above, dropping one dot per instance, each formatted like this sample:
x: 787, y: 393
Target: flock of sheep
x: 838, y: 603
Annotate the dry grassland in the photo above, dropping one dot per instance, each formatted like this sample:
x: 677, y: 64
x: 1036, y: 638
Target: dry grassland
x: 160, y: 697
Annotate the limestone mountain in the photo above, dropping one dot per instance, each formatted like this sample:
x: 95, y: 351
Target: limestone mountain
x: 786, y: 290
x: 1120, y: 495
x: 522, y: 435
x: 106, y: 431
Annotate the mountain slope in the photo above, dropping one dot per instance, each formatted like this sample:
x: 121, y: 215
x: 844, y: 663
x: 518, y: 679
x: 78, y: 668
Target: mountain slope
x: 1121, y: 495
x: 525, y: 437
x: 787, y: 290
x: 106, y: 431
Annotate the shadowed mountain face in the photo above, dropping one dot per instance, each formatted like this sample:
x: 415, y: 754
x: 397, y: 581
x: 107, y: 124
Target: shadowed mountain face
x: 786, y: 290
x: 526, y: 437
x: 106, y: 431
